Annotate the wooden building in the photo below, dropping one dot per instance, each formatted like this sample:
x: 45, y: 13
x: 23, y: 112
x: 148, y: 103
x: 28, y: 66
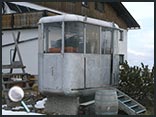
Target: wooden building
x: 108, y: 11
x: 24, y: 16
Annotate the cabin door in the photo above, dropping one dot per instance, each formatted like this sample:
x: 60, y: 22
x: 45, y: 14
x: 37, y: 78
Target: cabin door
x: 92, y: 68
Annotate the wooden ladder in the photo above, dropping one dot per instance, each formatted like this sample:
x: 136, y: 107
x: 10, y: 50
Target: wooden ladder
x: 11, y: 79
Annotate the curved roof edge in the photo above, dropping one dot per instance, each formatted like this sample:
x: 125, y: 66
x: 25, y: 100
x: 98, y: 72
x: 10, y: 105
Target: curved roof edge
x: 74, y: 17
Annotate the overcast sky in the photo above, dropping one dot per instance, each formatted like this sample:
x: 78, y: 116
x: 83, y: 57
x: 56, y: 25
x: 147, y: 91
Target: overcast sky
x: 141, y: 41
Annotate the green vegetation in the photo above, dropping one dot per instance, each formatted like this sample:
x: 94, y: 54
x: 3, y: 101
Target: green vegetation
x: 138, y: 83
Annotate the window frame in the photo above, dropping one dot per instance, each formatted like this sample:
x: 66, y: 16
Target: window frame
x: 13, y: 7
x: 98, y: 7
x: 100, y: 28
x: 121, y: 58
x: 111, y: 39
x: 121, y: 36
x: 82, y: 23
x: 99, y: 52
x: 46, y: 39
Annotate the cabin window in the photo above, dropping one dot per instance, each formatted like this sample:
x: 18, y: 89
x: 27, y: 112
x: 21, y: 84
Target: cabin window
x: 121, y: 35
x: 99, y: 6
x: 53, y: 38
x: 74, y: 37
x: 92, y: 39
x: 121, y: 58
x: 106, y: 41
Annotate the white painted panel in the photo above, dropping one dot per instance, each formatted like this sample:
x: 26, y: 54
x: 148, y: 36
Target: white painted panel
x: 26, y: 34
x: 123, y: 45
x: 29, y: 54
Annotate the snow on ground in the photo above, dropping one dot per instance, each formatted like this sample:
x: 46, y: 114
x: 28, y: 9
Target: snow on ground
x: 8, y: 112
x: 38, y: 105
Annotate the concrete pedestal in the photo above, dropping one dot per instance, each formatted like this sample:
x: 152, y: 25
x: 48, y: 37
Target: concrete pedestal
x: 62, y: 105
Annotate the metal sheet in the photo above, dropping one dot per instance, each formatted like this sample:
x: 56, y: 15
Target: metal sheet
x: 97, y: 70
x: 115, y: 79
x: 93, y: 71
x: 105, y: 69
x: 52, y: 72
x: 67, y: 74
x: 73, y: 71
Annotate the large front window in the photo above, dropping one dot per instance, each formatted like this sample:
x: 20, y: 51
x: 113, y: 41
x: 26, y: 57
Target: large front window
x: 92, y: 39
x: 74, y: 37
x: 77, y: 37
x: 53, y: 38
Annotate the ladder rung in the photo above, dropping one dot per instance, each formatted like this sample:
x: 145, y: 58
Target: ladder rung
x: 25, y: 88
x: 143, y: 110
x: 120, y: 96
x: 135, y: 105
x: 12, y: 66
x: 14, y: 82
x: 126, y: 101
x: 11, y: 74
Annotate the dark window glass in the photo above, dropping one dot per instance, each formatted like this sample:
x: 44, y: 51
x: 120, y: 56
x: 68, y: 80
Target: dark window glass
x: 92, y: 39
x: 13, y: 7
x: 121, y: 58
x: 99, y: 6
x: 19, y: 8
x: 85, y: 3
x: 32, y: 9
x: 106, y: 41
x: 121, y: 35
x: 53, y: 37
x: 23, y: 9
x: 74, y: 37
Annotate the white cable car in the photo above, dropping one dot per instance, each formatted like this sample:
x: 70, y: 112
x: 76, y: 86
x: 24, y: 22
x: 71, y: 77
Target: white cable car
x: 77, y: 54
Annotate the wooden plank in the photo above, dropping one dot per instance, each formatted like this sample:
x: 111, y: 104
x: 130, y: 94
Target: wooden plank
x: 15, y: 82
x: 11, y: 74
x: 21, y: 20
x: 18, y: 51
x: 6, y: 21
x: 12, y: 66
x: 25, y: 88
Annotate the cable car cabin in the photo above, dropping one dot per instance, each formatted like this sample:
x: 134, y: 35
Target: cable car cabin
x: 77, y: 54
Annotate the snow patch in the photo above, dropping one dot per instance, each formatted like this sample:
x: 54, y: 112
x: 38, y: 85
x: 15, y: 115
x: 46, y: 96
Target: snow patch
x: 8, y: 112
x: 21, y: 107
x: 40, y: 104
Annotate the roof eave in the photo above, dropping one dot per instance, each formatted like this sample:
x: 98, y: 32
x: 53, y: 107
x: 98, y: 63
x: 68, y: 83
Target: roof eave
x: 125, y: 15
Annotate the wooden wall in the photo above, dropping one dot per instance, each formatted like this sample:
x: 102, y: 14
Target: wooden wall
x: 109, y: 13
x: 23, y: 20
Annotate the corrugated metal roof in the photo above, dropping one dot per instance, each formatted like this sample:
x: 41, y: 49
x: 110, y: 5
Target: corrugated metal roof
x: 21, y: 7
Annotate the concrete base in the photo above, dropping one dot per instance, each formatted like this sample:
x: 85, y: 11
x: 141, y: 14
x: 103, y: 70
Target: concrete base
x: 62, y: 105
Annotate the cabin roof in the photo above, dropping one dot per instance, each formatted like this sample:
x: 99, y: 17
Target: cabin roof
x: 73, y: 17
